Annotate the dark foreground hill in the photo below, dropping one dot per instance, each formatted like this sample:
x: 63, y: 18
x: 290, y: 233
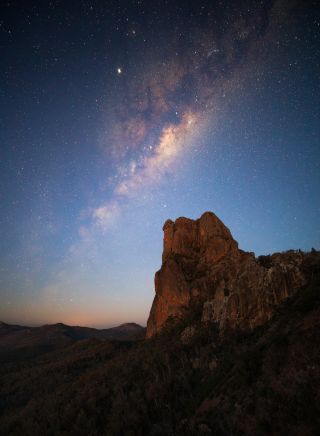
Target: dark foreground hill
x: 233, y: 349
x: 188, y: 380
x: 21, y: 343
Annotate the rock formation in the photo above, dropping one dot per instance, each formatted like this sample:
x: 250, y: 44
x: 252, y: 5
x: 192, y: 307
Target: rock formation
x: 201, y: 262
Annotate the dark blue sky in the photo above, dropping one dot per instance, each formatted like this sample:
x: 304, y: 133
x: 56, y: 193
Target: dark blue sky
x: 118, y: 115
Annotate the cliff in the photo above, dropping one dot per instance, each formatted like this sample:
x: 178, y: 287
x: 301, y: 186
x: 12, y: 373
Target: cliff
x: 201, y: 263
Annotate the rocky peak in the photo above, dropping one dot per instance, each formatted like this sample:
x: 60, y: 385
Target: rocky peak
x: 201, y: 262
x: 206, y: 236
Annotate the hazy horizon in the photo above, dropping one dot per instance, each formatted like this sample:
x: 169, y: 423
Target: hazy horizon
x: 69, y: 325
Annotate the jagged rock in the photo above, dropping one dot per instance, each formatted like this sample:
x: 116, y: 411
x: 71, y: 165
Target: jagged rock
x: 202, y: 262
x: 187, y: 335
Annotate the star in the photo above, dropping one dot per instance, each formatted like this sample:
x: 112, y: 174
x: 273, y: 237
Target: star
x: 119, y: 70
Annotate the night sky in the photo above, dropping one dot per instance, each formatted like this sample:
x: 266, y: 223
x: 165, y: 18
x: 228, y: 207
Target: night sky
x: 118, y: 115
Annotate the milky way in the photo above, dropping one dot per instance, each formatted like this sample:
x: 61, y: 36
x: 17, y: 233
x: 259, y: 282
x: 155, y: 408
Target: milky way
x: 165, y: 96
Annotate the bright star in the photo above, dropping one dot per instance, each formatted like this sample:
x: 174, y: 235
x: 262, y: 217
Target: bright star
x: 119, y: 70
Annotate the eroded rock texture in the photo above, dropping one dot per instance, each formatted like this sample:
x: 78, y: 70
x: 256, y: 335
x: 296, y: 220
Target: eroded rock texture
x: 202, y: 262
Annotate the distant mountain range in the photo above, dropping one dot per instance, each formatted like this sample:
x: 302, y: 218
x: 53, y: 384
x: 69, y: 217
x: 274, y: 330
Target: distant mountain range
x: 21, y: 342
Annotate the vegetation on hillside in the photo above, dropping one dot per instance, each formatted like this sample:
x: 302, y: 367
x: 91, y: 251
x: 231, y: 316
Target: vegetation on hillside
x: 187, y: 381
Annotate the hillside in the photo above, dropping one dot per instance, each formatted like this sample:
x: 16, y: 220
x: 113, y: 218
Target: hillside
x: 20, y: 342
x: 260, y: 382
x: 195, y: 375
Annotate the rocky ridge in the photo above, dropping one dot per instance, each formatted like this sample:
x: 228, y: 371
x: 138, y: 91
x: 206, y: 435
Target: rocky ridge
x: 201, y: 263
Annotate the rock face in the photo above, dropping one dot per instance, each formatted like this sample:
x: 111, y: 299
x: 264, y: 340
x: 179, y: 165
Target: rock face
x: 201, y: 262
